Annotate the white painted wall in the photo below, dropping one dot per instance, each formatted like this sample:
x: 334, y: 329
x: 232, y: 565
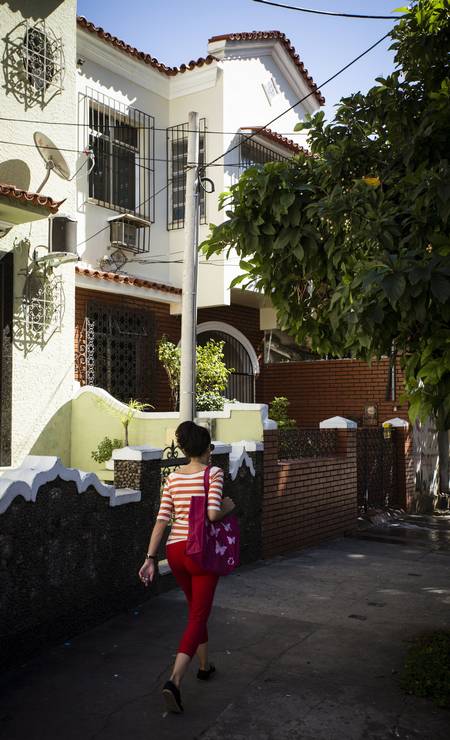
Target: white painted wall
x: 42, y: 376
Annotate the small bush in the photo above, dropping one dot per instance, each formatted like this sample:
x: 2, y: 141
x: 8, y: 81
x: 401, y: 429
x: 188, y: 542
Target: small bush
x: 426, y: 671
x: 105, y: 449
x: 278, y: 412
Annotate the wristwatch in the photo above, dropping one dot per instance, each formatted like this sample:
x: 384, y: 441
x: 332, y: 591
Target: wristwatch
x: 151, y: 557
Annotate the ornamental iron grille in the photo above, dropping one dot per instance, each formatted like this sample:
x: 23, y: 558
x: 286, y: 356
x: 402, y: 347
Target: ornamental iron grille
x: 177, y: 146
x: 297, y: 443
x: 123, y: 141
x: 116, y: 351
x: 254, y: 154
x: 171, y: 459
x: 241, y: 383
x: 33, y: 61
x: 41, y: 310
x: 375, y: 466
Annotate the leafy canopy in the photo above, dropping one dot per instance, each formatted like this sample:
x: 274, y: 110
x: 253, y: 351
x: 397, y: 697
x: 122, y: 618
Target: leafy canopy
x: 352, y: 242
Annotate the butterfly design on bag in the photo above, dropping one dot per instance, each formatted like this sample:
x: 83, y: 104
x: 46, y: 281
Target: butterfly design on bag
x: 219, y: 549
x: 226, y: 526
x: 214, y: 531
x: 231, y: 540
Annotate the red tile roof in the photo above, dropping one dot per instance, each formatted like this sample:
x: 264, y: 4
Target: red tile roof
x: 281, y: 37
x: 267, y: 133
x: 118, y: 277
x: 141, y: 56
x: 35, y: 199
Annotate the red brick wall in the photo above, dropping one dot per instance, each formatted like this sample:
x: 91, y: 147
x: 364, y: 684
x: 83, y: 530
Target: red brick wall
x: 306, y: 501
x: 324, y: 388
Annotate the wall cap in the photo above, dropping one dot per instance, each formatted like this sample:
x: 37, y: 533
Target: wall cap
x: 338, y: 422
x: 36, y: 470
x: 397, y: 422
x: 139, y: 453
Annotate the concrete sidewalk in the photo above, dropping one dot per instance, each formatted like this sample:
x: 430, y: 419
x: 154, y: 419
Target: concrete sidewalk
x: 307, y: 646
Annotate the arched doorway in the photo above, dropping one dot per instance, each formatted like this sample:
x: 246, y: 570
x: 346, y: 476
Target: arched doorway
x: 238, y: 354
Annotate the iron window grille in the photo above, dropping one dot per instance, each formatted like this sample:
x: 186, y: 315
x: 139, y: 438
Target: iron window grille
x: 254, y: 154
x: 177, y: 145
x: 123, y: 141
x: 116, y: 351
x: 33, y: 63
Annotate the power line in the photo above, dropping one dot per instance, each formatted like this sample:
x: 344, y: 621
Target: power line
x: 105, y: 126
x: 89, y: 150
x: 313, y: 92
x: 330, y: 12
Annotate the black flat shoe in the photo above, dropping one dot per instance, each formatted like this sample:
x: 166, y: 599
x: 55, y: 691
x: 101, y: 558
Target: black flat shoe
x: 172, y: 697
x: 206, y: 675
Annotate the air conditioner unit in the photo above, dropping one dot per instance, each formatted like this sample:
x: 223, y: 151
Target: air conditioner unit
x: 125, y: 231
x: 123, y: 234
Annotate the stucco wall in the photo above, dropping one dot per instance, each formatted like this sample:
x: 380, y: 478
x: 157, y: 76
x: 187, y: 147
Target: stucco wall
x: 92, y: 421
x: 42, y: 371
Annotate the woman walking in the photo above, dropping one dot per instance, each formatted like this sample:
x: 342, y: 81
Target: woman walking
x: 198, y: 585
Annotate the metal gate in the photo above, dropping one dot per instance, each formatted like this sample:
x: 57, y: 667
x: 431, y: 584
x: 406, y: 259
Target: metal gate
x: 375, y: 463
x: 241, y: 384
x: 6, y: 320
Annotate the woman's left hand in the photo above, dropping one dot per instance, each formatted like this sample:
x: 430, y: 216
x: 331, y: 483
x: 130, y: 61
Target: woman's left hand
x: 147, y: 572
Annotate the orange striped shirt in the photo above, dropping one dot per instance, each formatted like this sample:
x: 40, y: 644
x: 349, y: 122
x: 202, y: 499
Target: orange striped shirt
x: 176, y: 499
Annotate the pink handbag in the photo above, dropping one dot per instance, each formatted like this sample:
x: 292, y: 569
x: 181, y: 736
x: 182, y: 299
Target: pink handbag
x: 214, y: 546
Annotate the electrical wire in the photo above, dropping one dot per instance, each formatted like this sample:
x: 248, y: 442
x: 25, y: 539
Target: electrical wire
x: 99, y: 127
x: 330, y: 12
x: 86, y: 152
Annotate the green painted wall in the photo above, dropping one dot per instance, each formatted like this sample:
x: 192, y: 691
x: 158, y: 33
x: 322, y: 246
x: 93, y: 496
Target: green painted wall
x: 91, y: 422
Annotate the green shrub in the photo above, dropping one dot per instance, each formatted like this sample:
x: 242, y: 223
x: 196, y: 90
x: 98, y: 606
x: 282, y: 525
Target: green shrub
x: 426, y: 671
x: 278, y: 412
x: 105, y: 449
x: 212, y: 373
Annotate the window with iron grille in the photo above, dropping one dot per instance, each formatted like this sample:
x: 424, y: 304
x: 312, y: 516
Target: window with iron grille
x: 177, y: 144
x: 116, y: 351
x: 122, y: 139
x: 252, y: 153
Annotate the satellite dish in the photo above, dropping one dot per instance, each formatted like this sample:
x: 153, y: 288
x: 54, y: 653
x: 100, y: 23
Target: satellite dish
x: 54, y: 160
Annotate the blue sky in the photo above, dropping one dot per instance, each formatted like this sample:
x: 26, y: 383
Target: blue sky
x: 175, y: 31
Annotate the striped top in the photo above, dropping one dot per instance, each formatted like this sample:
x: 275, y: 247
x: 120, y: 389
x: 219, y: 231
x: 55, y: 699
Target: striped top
x: 176, y: 499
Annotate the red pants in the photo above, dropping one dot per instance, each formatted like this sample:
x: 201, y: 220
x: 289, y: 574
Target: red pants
x: 199, y: 587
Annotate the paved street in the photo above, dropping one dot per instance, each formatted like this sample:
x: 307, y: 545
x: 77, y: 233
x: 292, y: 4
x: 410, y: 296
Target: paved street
x: 307, y: 646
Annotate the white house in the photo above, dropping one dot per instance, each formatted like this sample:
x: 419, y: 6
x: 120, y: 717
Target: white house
x: 38, y: 86
x: 93, y: 148
x: 133, y: 112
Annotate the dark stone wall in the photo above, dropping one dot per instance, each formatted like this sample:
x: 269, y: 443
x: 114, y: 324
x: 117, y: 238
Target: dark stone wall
x: 247, y: 493
x: 69, y: 561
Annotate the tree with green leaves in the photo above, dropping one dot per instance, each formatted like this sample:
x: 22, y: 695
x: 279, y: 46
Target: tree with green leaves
x: 211, y: 378
x: 352, y: 241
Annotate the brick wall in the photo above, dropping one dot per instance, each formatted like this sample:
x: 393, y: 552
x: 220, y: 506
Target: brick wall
x: 308, y: 500
x: 324, y: 388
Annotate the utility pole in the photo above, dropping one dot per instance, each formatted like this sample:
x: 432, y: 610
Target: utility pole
x: 190, y: 271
